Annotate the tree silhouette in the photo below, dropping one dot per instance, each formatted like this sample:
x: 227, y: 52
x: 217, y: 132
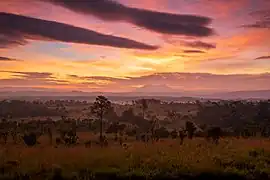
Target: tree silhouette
x: 143, y: 105
x: 30, y: 139
x: 182, y: 135
x: 174, y: 134
x: 116, y: 128
x: 190, y: 128
x: 49, y: 132
x: 172, y: 115
x: 153, y: 127
x: 214, y: 133
x: 100, y: 108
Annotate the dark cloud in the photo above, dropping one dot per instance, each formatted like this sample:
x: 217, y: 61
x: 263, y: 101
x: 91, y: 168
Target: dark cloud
x: 193, y: 51
x: 192, y: 42
x: 262, y: 19
x: 8, y: 59
x: 259, y: 24
x: 165, y: 23
x: 73, y: 76
x: 31, y: 75
x: 263, y: 57
x: 8, y: 40
x: 16, y: 29
x: 220, y: 58
x: 200, y: 45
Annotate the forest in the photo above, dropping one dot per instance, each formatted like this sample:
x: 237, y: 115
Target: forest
x: 147, y: 138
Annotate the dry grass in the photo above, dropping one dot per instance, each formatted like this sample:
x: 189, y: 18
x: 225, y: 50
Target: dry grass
x: 242, y: 156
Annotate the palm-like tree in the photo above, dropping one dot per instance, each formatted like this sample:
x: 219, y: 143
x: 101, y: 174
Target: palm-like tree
x: 100, y: 108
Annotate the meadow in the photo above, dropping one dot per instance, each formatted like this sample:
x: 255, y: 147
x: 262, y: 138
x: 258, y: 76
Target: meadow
x: 197, y: 158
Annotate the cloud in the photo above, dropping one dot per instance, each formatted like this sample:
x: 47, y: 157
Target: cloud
x: 103, y: 78
x: 161, y: 22
x: 10, y: 41
x: 188, y: 42
x: 8, y: 59
x: 18, y: 82
x: 193, y: 51
x: 45, y: 80
x: 263, y: 57
x: 222, y: 58
x: 178, y: 81
x: 262, y: 19
x: 30, y: 79
x: 259, y: 24
x: 17, y: 29
x: 200, y: 45
x: 191, y: 81
x: 100, y: 80
x: 30, y: 75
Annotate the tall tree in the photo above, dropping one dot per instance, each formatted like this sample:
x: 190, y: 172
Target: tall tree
x: 100, y: 108
x: 143, y: 105
x: 153, y: 127
x: 190, y: 128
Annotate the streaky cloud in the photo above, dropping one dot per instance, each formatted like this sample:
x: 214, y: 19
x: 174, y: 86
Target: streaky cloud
x: 8, y: 40
x: 30, y: 75
x: 8, y: 59
x: 193, y: 51
x: 17, y: 29
x: 262, y: 19
x: 263, y: 57
x: 161, y: 22
x: 200, y: 45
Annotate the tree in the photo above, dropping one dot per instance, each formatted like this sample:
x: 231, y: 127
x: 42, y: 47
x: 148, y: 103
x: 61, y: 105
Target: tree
x: 30, y: 139
x: 49, y: 132
x: 100, y: 107
x: 172, y: 115
x: 111, y: 115
x: 116, y: 128
x: 190, y: 128
x: 154, y: 126
x: 143, y: 105
x: 174, y: 134
x: 182, y: 135
x: 214, y: 133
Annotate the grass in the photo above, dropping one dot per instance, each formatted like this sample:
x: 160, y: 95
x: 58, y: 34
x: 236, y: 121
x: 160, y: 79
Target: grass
x: 249, y: 158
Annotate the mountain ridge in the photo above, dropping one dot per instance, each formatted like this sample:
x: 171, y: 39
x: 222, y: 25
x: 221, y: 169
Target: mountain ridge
x: 254, y: 94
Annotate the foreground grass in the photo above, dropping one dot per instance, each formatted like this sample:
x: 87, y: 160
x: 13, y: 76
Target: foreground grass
x: 249, y: 158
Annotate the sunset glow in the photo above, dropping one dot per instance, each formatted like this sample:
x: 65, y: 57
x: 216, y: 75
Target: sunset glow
x: 230, y: 52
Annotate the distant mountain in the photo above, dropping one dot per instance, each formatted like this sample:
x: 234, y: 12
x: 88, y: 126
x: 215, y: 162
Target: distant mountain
x: 160, y: 90
x: 258, y: 94
x: 155, y: 88
x: 150, y: 91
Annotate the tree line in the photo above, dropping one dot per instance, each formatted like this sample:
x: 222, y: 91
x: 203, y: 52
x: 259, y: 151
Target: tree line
x: 234, y: 118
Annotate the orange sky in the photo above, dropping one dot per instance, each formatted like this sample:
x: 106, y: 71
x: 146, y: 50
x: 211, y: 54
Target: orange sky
x: 237, y: 47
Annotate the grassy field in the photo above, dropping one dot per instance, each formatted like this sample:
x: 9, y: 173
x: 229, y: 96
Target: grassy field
x: 248, y: 158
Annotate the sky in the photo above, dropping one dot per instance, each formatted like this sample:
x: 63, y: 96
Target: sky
x: 123, y: 45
